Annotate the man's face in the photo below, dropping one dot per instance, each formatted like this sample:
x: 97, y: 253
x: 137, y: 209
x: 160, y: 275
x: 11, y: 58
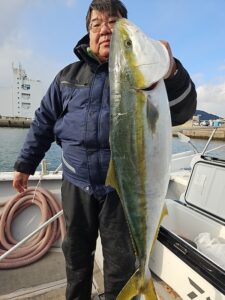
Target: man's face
x: 101, y: 27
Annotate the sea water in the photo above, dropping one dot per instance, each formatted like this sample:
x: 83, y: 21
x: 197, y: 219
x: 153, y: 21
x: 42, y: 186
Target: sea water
x: 12, y: 139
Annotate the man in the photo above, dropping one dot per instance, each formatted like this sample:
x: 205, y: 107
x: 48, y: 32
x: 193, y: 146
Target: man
x: 75, y: 112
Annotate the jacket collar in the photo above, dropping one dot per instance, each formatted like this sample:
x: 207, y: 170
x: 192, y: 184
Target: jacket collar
x: 81, y: 47
x: 81, y: 52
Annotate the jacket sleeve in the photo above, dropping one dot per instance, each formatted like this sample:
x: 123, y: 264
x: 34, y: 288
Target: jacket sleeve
x: 182, y: 95
x: 41, y: 132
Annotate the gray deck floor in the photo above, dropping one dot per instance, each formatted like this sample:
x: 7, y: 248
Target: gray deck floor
x: 45, y: 275
x: 46, y: 280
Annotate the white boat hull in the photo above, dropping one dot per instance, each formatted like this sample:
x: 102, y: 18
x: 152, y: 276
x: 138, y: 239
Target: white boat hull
x: 29, y: 219
x: 192, y: 273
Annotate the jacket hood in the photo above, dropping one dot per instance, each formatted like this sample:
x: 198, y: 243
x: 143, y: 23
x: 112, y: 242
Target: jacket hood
x: 81, y: 46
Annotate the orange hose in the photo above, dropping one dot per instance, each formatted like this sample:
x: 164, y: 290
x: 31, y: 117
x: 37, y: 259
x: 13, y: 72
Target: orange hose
x: 39, y: 244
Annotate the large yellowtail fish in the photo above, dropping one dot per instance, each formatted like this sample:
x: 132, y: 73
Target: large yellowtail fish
x: 140, y: 138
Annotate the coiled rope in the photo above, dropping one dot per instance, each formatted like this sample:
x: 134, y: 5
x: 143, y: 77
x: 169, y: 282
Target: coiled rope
x: 39, y: 244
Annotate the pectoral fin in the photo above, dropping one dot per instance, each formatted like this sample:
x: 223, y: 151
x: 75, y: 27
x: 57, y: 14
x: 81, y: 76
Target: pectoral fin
x: 111, y: 178
x: 152, y: 115
x: 163, y: 214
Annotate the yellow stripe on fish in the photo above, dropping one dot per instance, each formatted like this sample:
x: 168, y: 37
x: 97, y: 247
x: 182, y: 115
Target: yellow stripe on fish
x: 140, y: 141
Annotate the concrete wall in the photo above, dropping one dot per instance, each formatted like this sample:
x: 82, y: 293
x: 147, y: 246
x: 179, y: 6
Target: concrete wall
x: 15, y: 122
x: 202, y: 133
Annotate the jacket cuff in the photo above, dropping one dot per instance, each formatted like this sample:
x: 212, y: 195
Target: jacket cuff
x: 179, y: 74
x: 24, y: 167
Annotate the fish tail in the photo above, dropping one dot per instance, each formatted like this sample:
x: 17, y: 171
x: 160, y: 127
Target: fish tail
x: 149, y: 289
x: 137, y: 285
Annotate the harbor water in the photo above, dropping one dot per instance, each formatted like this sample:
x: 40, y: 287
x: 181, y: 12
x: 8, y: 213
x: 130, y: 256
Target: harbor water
x: 12, y: 139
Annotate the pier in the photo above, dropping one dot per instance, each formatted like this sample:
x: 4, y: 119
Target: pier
x: 200, y: 132
x: 187, y: 129
x: 15, y: 122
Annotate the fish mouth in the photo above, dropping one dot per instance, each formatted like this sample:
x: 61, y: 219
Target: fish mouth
x: 150, y: 74
x: 149, y: 88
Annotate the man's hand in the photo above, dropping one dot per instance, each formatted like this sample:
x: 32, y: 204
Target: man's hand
x: 173, y: 66
x: 20, y: 181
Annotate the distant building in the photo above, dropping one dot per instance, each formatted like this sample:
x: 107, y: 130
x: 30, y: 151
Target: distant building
x: 196, y: 120
x: 23, y: 98
x: 217, y: 123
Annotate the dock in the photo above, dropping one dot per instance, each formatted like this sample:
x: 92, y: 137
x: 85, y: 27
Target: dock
x: 200, y: 132
x: 187, y: 129
x: 15, y: 122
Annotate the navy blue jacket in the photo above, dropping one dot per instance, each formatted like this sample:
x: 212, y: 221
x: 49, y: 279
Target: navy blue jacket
x: 75, y: 113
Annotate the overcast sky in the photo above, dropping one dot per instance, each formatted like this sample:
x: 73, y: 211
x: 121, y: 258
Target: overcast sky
x: 41, y: 34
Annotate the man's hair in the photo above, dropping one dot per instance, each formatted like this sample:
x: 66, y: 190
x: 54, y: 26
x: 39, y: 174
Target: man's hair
x: 113, y: 7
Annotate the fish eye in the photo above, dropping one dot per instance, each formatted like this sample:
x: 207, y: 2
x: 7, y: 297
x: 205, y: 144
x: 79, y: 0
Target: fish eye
x: 128, y: 43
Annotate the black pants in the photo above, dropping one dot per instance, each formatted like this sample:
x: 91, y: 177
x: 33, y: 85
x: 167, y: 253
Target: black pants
x: 85, y: 215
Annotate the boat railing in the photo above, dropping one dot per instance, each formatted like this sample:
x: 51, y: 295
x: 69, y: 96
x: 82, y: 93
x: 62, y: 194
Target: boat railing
x: 208, y: 142
x: 57, y: 169
x: 44, y: 167
x: 43, y: 172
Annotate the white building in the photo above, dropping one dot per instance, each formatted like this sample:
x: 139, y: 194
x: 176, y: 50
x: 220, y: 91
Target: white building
x: 23, y: 98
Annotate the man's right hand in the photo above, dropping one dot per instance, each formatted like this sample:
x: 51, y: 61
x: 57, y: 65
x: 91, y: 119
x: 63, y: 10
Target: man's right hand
x: 20, y: 181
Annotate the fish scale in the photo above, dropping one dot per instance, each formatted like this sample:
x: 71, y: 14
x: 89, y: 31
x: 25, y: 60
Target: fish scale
x: 140, y: 141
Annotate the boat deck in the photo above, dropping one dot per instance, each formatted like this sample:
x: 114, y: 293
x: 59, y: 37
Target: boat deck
x: 46, y: 280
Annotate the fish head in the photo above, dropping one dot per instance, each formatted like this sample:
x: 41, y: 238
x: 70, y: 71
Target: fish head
x: 139, y: 59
